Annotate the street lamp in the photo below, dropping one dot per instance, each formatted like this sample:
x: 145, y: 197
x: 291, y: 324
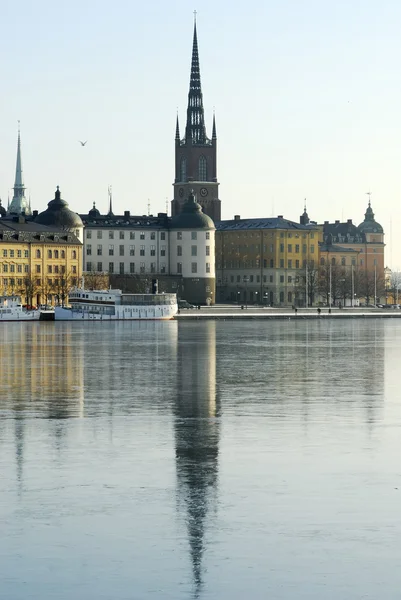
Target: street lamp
x: 246, y: 290
x: 256, y: 294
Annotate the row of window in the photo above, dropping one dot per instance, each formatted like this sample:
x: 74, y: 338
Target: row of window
x: 15, y: 253
x: 267, y: 264
x: 142, y: 235
x: 142, y: 268
x: 194, y: 250
x: 268, y: 297
x: 272, y: 234
x: 131, y: 250
x: 202, y: 169
x: 256, y: 279
x: 343, y: 263
x: 7, y: 268
x: 297, y: 247
x: 121, y: 267
x: 142, y: 250
x: 5, y: 282
x: 8, y: 253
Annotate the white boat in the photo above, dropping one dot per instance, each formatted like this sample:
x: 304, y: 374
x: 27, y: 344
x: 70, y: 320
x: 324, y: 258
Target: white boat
x: 114, y: 305
x: 11, y: 309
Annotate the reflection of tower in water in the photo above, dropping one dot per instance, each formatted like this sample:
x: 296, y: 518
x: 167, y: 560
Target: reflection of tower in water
x: 196, y: 434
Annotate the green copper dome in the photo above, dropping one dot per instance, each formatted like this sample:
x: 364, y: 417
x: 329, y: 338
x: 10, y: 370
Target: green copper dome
x: 192, y: 216
x: 369, y: 225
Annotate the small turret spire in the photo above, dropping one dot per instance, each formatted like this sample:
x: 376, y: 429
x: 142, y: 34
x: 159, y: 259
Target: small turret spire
x: 214, y: 136
x: 110, y: 213
x: 177, y: 129
x: 304, y: 218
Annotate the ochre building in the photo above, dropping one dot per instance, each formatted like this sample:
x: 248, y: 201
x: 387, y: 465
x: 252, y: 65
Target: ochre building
x: 39, y: 263
x: 265, y: 260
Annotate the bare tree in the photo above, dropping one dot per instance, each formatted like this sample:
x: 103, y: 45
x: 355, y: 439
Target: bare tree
x: 394, y: 286
x: 96, y: 280
x: 63, y: 285
x: 31, y: 288
x: 371, y: 286
x: 307, y: 280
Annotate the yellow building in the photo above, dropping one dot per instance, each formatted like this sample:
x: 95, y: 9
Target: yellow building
x: 38, y: 262
x: 266, y: 261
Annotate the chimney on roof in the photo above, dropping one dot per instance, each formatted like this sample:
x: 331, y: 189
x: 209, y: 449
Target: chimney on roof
x: 326, y: 223
x: 35, y: 214
x: 237, y: 218
x: 280, y: 216
x: 127, y: 214
x: 349, y: 221
x: 337, y: 222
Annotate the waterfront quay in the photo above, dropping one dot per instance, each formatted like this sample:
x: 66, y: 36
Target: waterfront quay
x: 228, y: 311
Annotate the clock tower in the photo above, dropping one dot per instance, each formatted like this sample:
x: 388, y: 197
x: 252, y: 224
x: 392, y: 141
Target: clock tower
x: 195, y: 154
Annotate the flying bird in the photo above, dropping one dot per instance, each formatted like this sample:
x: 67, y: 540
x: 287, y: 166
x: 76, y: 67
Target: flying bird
x: 82, y: 143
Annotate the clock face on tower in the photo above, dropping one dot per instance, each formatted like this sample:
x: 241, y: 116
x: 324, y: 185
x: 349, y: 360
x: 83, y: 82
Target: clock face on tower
x: 181, y: 192
x: 203, y: 192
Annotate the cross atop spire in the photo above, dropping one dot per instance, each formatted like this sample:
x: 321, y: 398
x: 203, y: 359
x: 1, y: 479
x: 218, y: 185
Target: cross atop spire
x: 195, y: 130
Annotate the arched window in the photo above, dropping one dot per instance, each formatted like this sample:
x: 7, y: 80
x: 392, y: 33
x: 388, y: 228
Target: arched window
x: 322, y: 261
x: 202, y: 169
x: 333, y: 261
x: 183, y: 169
x: 343, y: 261
x: 37, y: 253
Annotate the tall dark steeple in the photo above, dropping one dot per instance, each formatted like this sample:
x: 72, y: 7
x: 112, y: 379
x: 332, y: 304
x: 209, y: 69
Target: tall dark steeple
x: 195, y: 130
x: 195, y: 154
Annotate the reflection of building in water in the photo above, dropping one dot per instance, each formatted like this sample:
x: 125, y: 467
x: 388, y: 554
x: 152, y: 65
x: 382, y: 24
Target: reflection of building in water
x: 42, y: 363
x: 197, y: 433
x: 327, y: 364
x: 41, y: 375
x: 118, y: 361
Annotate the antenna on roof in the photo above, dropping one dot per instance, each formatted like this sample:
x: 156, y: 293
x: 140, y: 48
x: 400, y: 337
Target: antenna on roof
x: 148, y: 207
x: 166, y: 205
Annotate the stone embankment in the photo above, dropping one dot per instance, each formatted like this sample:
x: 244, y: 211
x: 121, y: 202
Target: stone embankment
x: 222, y: 312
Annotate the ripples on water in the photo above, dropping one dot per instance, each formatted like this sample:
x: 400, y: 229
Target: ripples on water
x: 216, y: 460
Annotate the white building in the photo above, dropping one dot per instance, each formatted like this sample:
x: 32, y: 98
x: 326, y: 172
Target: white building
x: 181, y: 248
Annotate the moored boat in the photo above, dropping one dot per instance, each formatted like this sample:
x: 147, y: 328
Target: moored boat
x: 11, y: 309
x: 114, y: 305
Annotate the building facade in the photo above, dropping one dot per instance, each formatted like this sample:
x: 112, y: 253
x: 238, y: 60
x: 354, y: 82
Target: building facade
x: 195, y: 153
x: 265, y: 261
x: 133, y: 250
x: 367, y: 243
x: 40, y: 264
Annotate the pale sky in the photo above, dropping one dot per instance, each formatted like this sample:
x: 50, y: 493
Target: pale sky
x: 307, y: 96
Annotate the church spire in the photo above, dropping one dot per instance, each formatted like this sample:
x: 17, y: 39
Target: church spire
x: 195, y: 129
x: 177, y: 129
x: 19, y: 203
x: 214, y: 136
x: 110, y: 213
x: 19, y: 183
